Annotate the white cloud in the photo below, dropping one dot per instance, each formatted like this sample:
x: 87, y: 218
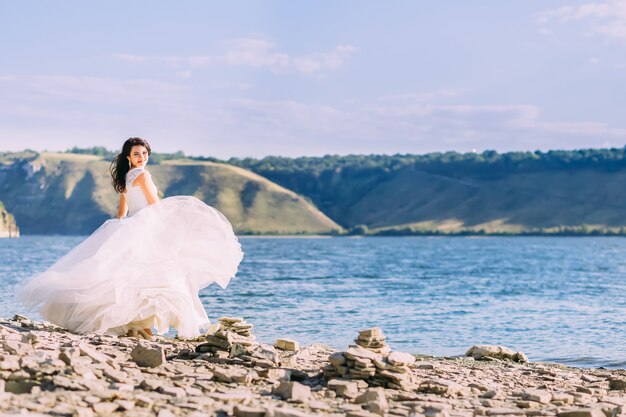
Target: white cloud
x: 417, y: 126
x: 65, y: 111
x: 607, y: 18
x: 194, y: 61
x: 428, y: 95
x: 255, y: 53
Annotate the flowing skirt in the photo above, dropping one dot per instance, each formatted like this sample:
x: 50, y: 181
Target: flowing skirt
x: 140, y: 271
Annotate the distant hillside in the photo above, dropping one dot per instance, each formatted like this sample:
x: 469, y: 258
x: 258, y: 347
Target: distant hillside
x: 8, y: 227
x: 570, y: 192
x: 68, y: 193
x: 555, y: 192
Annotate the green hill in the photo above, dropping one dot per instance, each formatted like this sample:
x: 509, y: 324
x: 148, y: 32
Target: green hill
x: 555, y: 192
x: 568, y: 192
x: 67, y: 193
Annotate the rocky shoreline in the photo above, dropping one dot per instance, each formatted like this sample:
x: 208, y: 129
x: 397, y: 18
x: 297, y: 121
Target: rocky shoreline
x: 46, y: 370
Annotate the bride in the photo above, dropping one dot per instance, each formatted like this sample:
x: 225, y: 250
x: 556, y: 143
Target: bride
x: 139, y: 271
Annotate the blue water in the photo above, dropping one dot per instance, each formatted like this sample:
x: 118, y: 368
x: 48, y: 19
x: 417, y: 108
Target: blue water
x: 556, y: 299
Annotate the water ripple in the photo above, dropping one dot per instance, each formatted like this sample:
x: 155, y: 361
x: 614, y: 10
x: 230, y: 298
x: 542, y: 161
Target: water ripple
x: 557, y: 299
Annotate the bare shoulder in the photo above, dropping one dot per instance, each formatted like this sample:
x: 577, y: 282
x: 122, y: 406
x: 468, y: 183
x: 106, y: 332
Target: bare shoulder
x: 142, y: 178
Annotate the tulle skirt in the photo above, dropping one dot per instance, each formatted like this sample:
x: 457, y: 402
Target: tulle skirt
x: 140, y: 271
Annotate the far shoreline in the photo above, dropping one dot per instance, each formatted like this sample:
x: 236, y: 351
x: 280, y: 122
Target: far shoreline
x: 377, y: 235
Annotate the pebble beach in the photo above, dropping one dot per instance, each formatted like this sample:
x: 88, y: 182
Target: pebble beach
x: 47, y: 370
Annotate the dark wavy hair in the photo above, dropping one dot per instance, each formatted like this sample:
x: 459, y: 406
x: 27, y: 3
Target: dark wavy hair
x: 120, y: 164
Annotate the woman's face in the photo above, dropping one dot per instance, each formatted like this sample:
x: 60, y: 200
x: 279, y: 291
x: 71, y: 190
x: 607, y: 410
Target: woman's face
x: 138, y: 156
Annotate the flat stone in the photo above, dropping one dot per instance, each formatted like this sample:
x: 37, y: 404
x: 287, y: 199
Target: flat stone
x: 122, y: 387
x: 442, y: 387
x: 582, y: 412
x: 263, y: 351
x: 173, y: 391
x: 291, y: 412
x: 105, y: 407
x: 319, y: 405
x: 343, y: 388
x: 228, y: 375
x: 355, y: 351
x: 539, y: 396
x: 164, y: 412
x: 372, y: 394
x: 117, y: 376
x: 279, y: 374
x: 237, y: 349
x: 400, y: 358
x: 148, y: 357
x: 143, y: 401
x: 92, y: 353
x: 293, y: 391
x: 371, y: 333
x: 231, y: 396
x: 505, y: 411
x: 562, y: 397
x: 287, y: 344
x: 230, y: 320
x: 247, y: 411
x: 151, y: 384
x: 212, y: 340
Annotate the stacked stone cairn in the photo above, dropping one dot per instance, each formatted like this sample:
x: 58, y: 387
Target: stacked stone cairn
x: 372, y: 360
x: 374, y: 340
x: 230, y: 337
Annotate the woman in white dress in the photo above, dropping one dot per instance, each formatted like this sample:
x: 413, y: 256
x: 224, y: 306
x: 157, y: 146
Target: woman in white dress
x: 143, y: 269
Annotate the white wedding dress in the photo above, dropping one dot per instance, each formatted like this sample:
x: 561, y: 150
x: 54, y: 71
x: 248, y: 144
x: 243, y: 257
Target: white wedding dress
x: 141, y: 271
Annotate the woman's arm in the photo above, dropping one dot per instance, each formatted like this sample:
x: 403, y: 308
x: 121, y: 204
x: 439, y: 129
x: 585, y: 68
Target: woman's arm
x: 144, y: 180
x: 121, y: 211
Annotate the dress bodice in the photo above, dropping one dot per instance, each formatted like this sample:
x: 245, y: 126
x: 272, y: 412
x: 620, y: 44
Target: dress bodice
x: 135, y: 198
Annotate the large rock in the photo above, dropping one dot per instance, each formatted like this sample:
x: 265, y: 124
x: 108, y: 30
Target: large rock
x: 498, y: 352
x: 337, y: 359
x: 149, y: 357
x: 240, y: 375
x: 374, y: 400
x: 293, y: 391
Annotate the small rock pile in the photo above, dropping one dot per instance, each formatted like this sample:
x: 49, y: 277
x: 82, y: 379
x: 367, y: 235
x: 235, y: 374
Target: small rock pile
x: 374, y: 340
x: 231, y: 341
x: 236, y: 325
x: 229, y: 338
x: 372, y: 360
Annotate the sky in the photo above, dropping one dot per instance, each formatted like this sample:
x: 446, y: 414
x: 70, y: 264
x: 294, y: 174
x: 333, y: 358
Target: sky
x: 309, y: 78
